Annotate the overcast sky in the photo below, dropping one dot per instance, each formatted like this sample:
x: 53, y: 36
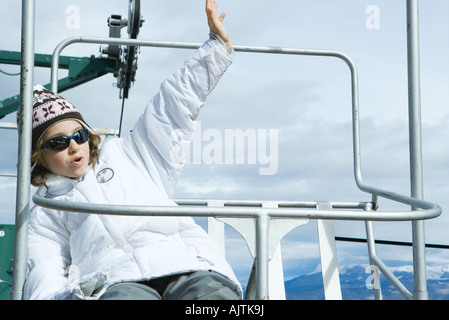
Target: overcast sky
x: 297, y: 107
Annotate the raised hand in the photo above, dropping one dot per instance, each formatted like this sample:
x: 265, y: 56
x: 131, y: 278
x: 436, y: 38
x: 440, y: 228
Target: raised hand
x: 216, y: 23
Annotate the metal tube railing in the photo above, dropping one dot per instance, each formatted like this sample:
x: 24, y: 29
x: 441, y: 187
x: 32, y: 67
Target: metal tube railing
x: 429, y: 210
x: 25, y: 132
x: 416, y: 165
x: 252, y: 49
x: 432, y: 210
x: 421, y: 209
x: 372, y: 253
x: 247, y: 209
x: 391, y: 277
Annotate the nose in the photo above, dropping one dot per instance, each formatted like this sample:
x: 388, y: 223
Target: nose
x: 73, y: 146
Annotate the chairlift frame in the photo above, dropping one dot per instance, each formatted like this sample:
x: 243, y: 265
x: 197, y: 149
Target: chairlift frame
x: 261, y: 213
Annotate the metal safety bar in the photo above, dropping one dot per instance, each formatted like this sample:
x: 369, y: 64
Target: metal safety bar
x: 429, y: 210
x: 263, y: 217
x: 421, y: 209
x: 271, y: 50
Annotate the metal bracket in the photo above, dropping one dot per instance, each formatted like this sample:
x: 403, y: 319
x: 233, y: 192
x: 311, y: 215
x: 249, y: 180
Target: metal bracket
x: 121, y: 62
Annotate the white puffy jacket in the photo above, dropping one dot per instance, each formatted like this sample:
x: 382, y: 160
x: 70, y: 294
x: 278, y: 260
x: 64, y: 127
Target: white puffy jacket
x: 76, y: 255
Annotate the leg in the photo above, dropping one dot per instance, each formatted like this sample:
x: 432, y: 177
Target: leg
x: 130, y: 291
x: 201, y: 285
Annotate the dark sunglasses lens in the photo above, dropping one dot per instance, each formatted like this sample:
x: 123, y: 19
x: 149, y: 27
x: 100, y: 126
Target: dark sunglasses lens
x: 58, y: 143
x: 81, y: 136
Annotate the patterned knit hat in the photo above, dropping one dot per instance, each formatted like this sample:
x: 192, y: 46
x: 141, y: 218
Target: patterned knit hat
x: 48, y: 109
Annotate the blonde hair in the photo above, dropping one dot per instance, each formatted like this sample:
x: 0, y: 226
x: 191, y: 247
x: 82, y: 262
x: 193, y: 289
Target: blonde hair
x: 39, y: 171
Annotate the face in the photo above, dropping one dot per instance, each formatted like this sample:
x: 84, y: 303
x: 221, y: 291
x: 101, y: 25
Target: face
x: 71, y: 162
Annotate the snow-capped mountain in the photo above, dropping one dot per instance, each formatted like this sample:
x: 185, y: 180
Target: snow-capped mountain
x: 356, y: 284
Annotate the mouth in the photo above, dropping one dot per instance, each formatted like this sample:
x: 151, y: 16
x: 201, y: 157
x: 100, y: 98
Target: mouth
x: 78, y: 161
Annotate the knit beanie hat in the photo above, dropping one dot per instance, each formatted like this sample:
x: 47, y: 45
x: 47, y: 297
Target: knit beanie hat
x: 48, y: 109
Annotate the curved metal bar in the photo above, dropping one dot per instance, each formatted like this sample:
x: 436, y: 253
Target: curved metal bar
x: 421, y: 209
x: 253, y: 49
x: 429, y: 210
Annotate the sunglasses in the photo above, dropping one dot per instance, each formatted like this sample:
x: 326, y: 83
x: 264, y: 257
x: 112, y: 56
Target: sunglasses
x: 62, y: 142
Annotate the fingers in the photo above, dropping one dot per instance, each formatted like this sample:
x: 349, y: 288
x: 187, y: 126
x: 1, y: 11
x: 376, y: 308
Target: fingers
x: 222, y: 17
x: 216, y: 23
x: 211, y: 7
x: 211, y: 10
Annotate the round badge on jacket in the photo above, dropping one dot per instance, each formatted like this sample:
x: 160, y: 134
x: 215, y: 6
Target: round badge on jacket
x: 104, y: 175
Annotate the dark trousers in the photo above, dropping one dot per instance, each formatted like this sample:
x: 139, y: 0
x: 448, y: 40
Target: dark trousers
x: 201, y: 285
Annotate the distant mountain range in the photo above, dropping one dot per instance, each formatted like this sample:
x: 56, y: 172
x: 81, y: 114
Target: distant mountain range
x: 355, y: 281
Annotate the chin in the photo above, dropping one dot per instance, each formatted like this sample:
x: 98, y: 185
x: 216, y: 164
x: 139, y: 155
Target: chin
x: 79, y: 173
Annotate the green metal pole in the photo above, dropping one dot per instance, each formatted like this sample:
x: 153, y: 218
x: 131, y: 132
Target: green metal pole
x: 6, y: 259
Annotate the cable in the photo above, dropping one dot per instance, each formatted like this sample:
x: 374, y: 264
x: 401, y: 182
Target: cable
x: 395, y: 243
x: 121, y: 117
x: 9, y: 74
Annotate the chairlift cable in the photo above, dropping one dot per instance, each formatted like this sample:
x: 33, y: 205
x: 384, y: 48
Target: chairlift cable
x: 121, y: 117
x: 9, y: 74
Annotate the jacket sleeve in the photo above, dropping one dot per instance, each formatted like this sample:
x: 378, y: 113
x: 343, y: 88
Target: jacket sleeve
x: 48, y: 257
x: 163, y: 133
